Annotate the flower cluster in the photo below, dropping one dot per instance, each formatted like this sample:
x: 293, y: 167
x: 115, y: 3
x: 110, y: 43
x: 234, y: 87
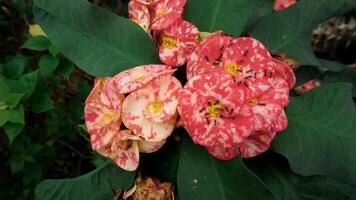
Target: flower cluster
x: 148, y: 112
x: 175, y: 37
x: 233, y: 103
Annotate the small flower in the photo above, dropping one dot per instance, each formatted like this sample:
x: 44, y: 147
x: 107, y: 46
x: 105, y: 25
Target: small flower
x: 165, y: 13
x: 306, y: 87
x: 282, y: 4
x: 103, y: 113
x: 177, y: 42
x: 140, y: 14
x: 150, y: 112
x: 214, y: 110
x: 136, y: 78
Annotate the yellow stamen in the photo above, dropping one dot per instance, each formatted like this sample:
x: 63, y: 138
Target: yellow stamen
x: 107, y: 118
x: 154, y: 107
x: 232, y: 69
x: 254, y: 101
x: 214, y: 109
x: 168, y: 41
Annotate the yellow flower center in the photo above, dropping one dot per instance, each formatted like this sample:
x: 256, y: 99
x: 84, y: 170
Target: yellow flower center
x: 232, y: 69
x: 162, y: 11
x: 168, y: 41
x: 214, y: 109
x: 107, y: 118
x: 154, y: 107
x: 254, y: 101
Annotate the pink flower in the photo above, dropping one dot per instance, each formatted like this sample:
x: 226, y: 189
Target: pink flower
x: 282, y: 4
x: 165, y: 13
x: 103, y: 113
x: 306, y: 87
x: 140, y: 14
x: 214, y: 110
x: 177, y: 42
x: 150, y: 112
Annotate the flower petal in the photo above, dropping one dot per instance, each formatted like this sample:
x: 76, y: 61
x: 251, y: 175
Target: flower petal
x: 281, y: 123
x: 213, y: 110
x: 224, y: 153
x: 282, y: 4
x: 160, y: 99
x: 207, y: 54
x: 147, y: 2
x: 135, y: 78
x: 256, y: 143
x: 150, y: 147
x: 284, y: 71
x: 139, y: 14
x: 165, y: 13
x: 185, y: 37
x: 102, y: 114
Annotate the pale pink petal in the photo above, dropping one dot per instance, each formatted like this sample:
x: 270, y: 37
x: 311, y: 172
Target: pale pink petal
x: 139, y: 14
x: 135, y: 78
x: 150, y: 147
x: 147, y: 2
x: 165, y: 13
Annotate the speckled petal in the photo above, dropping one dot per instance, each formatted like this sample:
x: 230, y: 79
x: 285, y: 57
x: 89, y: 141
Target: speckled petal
x: 284, y: 71
x: 125, y: 153
x: 281, y: 123
x: 150, y: 147
x: 147, y: 2
x: 159, y: 98
x: 207, y: 55
x: 213, y: 110
x: 135, y: 78
x: 282, y: 4
x: 224, y: 153
x: 265, y: 116
x: 139, y: 14
x: 102, y: 114
x: 165, y: 13
x: 186, y: 36
x: 256, y: 143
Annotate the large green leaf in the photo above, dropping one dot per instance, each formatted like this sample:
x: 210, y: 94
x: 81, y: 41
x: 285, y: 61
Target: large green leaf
x: 98, y: 184
x: 212, y: 15
x: 99, y: 42
x: 290, y: 30
x: 204, y: 177
x: 321, y: 137
x: 286, y: 185
x: 346, y: 75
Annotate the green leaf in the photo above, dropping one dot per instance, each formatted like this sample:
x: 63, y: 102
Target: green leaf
x: 289, y: 30
x: 16, y: 163
x: 98, y: 41
x: 287, y: 185
x: 14, y: 68
x: 16, y: 115
x: 26, y: 84
x: 201, y: 175
x: 321, y: 138
x: 12, y: 130
x: 98, y: 184
x: 4, y: 116
x: 42, y: 103
x: 11, y: 100
x: 47, y: 65
x: 38, y: 43
x: 65, y: 68
x: 228, y: 15
x: 347, y: 75
x: 331, y: 65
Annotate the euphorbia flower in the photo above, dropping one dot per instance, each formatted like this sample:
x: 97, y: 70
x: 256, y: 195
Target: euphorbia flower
x: 177, y: 42
x: 282, y: 4
x: 125, y: 148
x: 147, y: 2
x: 214, y: 110
x: 150, y: 112
x: 136, y: 78
x: 140, y: 14
x: 102, y: 113
x: 257, y: 143
x: 165, y: 13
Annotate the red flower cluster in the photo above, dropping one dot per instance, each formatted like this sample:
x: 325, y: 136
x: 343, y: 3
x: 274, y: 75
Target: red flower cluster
x: 175, y: 37
x: 233, y: 103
